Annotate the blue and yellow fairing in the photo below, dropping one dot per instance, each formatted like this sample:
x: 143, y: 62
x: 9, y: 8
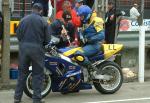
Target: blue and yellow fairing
x: 107, y: 51
x: 111, y: 49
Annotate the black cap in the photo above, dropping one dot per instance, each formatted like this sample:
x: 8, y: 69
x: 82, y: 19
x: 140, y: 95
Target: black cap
x: 37, y: 6
x: 66, y: 15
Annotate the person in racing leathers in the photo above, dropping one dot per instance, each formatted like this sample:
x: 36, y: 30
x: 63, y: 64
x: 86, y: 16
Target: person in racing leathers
x: 93, y: 33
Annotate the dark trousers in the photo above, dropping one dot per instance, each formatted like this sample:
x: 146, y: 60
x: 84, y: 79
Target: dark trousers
x: 110, y: 34
x: 30, y: 54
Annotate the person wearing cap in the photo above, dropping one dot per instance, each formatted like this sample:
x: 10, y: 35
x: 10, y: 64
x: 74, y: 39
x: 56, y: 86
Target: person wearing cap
x: 63, y: 27
x: 134, y: 13
x: 33, y: 35
x: 68, y: 6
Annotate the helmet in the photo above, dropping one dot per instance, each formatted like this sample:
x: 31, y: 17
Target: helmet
x: 85, y: 11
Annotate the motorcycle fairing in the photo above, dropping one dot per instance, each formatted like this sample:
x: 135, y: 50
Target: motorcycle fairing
x: 107, y: 51
x: 52, y: 64
x: 69, y: 52
x: 111, y: 49
x: 66, y: 79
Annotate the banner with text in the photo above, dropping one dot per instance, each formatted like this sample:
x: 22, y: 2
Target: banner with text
x: 129, y: 25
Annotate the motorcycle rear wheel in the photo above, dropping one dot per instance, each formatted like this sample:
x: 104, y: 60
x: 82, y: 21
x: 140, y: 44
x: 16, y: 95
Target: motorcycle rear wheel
x: 46, y: 85
x: 109, y: 86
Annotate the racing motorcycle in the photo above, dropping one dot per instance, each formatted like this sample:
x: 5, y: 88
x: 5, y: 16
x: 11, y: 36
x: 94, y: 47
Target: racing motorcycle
x: 65, y: 75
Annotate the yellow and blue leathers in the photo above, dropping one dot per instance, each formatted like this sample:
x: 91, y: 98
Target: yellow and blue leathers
x: 94, y: 34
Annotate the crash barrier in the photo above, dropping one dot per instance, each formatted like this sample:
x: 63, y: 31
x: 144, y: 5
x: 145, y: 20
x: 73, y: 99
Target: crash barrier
x: 141, y: 49
x: 129, y: 36
x: 20, y: 8
x: 129, y: 39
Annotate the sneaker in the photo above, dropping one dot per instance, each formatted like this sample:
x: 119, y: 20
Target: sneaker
x: 17, y: 101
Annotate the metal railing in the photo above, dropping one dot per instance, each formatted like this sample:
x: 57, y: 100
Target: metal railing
x: 20, y: 8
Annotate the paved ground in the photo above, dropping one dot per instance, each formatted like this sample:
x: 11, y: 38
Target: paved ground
x: 129, y: 93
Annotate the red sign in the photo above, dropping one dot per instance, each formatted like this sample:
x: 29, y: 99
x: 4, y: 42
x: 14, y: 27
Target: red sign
x: 124, y: 25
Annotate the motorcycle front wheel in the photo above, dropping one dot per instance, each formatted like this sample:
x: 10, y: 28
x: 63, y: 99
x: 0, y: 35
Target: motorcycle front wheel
x: 109, y: 86
x: 28, y: 90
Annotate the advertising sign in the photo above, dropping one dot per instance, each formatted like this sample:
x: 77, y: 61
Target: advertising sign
x: 129, y: 25
x: 13, y: 27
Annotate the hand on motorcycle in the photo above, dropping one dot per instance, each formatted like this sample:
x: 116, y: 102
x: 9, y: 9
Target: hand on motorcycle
x: 65, y: 36
x: 48, y: 46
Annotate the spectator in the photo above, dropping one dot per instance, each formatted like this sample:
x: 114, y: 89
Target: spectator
x: 110, y: 23
x: 134, y: 12
x: 32, y: 34
x: 67, y: 6
x: 59, y: 4
x: 56, y: 29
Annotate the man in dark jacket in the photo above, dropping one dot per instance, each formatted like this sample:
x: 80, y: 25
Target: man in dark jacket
x: 32, y: 34
x: 110, y: 23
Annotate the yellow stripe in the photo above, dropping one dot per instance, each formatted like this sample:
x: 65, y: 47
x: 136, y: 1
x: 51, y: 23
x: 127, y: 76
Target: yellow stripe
x: 72, y: 51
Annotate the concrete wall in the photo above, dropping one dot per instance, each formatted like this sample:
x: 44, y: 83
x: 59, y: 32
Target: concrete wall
x: 131, y: 49
x: 130, y: 58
